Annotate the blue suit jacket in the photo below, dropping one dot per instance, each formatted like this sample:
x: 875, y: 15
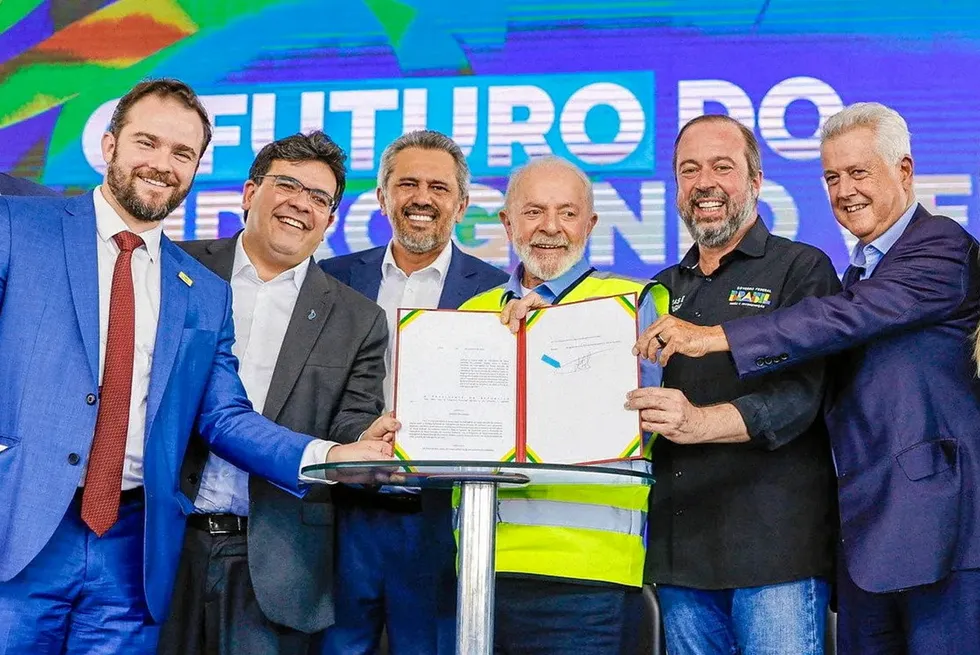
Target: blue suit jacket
x: 14, y: 186
x: 49, y: 340
x: 903, y: 412
x: 466, y: 277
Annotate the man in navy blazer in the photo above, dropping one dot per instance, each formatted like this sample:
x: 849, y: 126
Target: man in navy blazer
x: 903, y: 409
x: 396, y: 554
x: 116, y: 345
x: 15, y: 186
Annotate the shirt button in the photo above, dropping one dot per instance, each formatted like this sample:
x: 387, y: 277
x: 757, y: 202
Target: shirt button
x: 90, y: 399
x: 698, y: 314
x: 74, y: 459
x: 678, y: 512
x: 707, y: 279
x: 678, y: 474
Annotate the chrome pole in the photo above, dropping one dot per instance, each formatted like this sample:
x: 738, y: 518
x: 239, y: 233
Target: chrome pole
x: 475, y: 590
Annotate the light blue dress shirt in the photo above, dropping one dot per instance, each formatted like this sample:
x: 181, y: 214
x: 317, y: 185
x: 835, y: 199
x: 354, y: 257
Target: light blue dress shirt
x: 868, y: 256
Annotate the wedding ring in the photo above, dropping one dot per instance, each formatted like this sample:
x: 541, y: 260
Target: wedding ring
x: 661, y: 341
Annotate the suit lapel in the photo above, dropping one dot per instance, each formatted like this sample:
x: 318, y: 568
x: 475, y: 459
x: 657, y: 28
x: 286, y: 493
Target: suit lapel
x: 852, y: 275
x: 81, y: 259
x: 365, y: 275
x: 920, y: 212
x: 460, y: 283
x: 222, y: 257
x: 170, y: 327
x: 313, y: 306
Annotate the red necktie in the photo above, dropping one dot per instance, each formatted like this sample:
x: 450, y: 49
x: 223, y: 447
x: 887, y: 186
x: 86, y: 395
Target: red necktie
x: 103, y: 482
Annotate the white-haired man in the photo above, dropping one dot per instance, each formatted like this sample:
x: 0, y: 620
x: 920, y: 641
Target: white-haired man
x: 569, y: 559
x: 903, y: 406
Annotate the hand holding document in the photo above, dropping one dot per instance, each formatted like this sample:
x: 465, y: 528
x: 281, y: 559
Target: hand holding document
x: 468, y: 389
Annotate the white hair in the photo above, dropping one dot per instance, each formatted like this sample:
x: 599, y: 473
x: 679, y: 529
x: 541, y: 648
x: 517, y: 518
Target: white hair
x: 894, y: 141
x: 547, y: 161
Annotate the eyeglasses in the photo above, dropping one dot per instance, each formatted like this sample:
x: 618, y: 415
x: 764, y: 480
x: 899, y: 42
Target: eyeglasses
x: 289, y: 187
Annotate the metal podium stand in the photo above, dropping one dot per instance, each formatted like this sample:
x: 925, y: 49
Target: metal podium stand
x: 478, y: 483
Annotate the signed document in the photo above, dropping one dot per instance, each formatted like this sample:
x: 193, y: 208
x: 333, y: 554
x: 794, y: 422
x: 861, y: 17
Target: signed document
x: 468, y: 389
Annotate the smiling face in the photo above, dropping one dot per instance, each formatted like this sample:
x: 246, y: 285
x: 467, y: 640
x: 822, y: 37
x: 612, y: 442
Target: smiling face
x: 548, y: 220
x: 423, y: 199
x: 868, y: 195
x: 284, y: 229
x: 151, y: 165
x: 715, y: 193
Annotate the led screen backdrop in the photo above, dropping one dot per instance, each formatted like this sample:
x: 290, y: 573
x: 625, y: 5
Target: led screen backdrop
x: 606, y: 83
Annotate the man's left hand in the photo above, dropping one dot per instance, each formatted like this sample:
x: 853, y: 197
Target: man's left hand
x: 669, y: 413
x: 669, y: 335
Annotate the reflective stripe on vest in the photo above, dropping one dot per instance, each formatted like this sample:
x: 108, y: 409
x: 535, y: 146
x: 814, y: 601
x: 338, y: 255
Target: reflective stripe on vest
x: 531, y: 511
x: 586, y: 531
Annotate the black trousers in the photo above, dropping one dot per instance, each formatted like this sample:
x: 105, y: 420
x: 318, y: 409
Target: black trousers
x: 544, y: 617
x: 214, y: 609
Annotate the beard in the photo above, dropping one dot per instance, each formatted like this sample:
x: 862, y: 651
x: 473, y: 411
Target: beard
x: 123, y: 188
x: 715, y: 235
x: 417, y: 242
x: 548, y: 270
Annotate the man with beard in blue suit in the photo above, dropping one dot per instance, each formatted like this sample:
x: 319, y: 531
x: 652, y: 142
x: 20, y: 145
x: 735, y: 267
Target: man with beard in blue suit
x: 116, y: 345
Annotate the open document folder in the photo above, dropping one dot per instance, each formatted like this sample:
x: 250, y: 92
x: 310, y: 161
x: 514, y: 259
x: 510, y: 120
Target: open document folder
x: 468, y: 389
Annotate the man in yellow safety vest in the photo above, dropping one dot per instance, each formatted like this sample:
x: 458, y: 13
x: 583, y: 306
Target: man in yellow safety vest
x: 569, y: 558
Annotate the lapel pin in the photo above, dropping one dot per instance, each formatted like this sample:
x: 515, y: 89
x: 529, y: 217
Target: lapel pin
x: 311, y: 315
x: 185, y: 278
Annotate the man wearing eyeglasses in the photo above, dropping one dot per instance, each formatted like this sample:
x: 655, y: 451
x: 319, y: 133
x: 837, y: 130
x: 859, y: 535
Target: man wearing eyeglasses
x: 256, y: 571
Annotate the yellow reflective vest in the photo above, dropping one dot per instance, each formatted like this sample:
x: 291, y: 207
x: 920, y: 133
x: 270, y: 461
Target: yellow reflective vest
x: 576, y: 531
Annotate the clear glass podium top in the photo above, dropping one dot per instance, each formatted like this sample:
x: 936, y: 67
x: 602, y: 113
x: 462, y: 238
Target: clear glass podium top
x: 444, y: 474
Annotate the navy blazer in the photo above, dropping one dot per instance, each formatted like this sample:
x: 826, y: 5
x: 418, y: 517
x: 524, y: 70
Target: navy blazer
x: 14, y: 186
x: 467, y: 276
x: 903, y: 411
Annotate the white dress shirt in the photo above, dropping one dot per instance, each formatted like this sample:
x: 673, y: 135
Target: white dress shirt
x: 261, y: 310
x: 146, y: 288
x: 420, y: 290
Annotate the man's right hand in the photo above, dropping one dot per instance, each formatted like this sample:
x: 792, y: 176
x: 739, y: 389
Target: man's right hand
x: 516, y: 310
x: 360, y: 451
x: 383, y: 429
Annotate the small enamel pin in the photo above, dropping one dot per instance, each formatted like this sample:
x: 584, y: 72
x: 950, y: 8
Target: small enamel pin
x: 185, y: 278
x: 311, y: 315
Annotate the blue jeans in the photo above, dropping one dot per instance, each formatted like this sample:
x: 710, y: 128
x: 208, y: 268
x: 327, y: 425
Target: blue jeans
x: 782, y: 619
x: 82, y: 594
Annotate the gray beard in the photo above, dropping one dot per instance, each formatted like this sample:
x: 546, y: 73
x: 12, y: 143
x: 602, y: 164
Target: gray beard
x: 526, y: 255
x: 715, y: 237
x: 418, y: 244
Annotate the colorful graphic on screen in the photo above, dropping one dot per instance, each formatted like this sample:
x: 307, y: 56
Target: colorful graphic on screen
x: 606, y: 84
